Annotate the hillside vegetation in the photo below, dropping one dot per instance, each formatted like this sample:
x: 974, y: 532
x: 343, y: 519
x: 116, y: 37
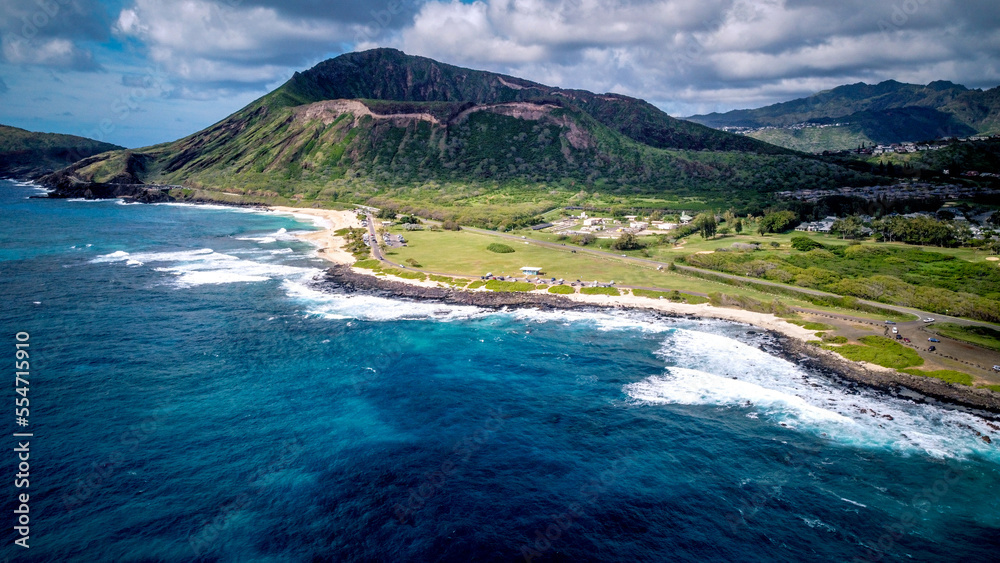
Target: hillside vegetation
x: 389, y: 129
x: 884, y: 113
x: 28, y: 154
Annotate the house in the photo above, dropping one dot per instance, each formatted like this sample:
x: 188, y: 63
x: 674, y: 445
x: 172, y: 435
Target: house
x: 823, y: 226
x: 531, y: 271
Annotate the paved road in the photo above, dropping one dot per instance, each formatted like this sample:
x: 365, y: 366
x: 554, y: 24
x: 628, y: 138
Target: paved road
x: 376, y: 251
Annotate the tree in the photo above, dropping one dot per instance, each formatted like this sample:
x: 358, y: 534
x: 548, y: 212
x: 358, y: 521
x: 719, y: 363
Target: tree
x: 777, y: 222
x: 849, y: 227
x: 628, y: 241
x: 706, y: 224
x: 738, y: 225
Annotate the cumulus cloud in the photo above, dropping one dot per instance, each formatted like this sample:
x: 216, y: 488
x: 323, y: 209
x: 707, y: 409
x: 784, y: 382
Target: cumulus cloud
x: 252, y: 43
x: 61, y: 53
x: 692, y: 55
x: 52, y: 32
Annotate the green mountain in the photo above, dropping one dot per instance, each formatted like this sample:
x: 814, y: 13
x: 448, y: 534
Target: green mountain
x: 25, y: 154
x: 381, y: 126
x: 884, y: 113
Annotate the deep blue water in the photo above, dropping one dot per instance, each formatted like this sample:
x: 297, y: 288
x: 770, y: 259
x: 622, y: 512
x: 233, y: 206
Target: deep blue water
x: 195, y: 398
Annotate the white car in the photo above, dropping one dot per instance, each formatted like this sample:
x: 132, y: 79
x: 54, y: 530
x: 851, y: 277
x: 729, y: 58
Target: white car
x: 928, y: 320
x: 895, y: 330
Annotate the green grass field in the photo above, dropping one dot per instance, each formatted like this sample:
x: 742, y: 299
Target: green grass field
x: 951, y: 376
x: 978, y: 335
x: 465, y: 253
x: 880, y: 351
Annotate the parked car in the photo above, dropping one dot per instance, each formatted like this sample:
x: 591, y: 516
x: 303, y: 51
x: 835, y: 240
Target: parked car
x: 899, y: 337
x: 907, y: 340
x: 928, y: 320
x: 890, y: 322
x: 996, y: 368
x: 931, y: 349
x: 933, y: 340
x: 895, y: 330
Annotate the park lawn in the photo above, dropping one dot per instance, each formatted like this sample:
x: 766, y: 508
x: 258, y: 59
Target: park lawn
x: 464, y: 253
x: 949, y: 375
x: 880, y: 351
x: 979, y: 335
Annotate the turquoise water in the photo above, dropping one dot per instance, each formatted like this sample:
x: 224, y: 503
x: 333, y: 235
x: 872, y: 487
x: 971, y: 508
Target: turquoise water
x: 195, y: 397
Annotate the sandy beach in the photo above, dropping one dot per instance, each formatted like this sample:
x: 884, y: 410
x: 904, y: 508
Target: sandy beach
x: 330, y: 246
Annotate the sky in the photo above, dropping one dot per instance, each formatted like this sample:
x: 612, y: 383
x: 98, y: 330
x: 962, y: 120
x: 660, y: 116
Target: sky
x: 140, y: 72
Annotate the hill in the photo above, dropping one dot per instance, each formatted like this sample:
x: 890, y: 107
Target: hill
x: 25, y: 154
x: 381, y: 126
x: 884, y: 113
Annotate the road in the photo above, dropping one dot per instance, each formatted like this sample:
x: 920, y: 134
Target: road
x: 376, y: 251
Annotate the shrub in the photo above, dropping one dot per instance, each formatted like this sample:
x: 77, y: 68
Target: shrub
x: 600, y: 291
x: 499, y: 248
x: 831, y: 339
x: 805, y: 244
x: 451, y: 226
x: 562, y: 290
x: 476, y: 284
x: 541, y: 286
x: 508, y: 286
x: 413, y: 262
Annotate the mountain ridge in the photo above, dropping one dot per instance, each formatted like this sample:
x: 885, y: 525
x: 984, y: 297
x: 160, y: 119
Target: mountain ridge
x: 884, y: 113
x: 384, y: 126
x: 31, y: 154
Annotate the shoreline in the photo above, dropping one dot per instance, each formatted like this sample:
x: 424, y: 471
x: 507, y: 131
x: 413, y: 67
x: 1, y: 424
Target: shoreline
x: 328, y: 245
x: 791, y: 339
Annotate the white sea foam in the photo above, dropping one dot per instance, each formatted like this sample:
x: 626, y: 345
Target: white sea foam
x: 695, y: 387
x: 206, y: 266
x: 712, y: 369
x: 606, y: 321
x: 281, y: 234
x: 373, y: 308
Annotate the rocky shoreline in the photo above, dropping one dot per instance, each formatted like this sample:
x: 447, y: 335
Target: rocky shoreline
x: 852, y: 374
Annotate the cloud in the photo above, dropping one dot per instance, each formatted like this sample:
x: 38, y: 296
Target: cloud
x: 205, y: 43
x: 60, y: 53
x: 52, y: 32
x: 3, y: 86
x: 694, y: 55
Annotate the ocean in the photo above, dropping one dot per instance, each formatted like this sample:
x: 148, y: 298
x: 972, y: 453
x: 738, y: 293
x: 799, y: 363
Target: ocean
x: 196, y: 396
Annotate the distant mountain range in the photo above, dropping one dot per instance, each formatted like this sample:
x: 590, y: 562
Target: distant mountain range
x: 382, y: 125
x: 884, y: 113
x: 25, y: 154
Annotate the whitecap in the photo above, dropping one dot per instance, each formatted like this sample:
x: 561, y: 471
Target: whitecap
x: 711, y: 369
x: 206, y: 266
x: 373, y: 308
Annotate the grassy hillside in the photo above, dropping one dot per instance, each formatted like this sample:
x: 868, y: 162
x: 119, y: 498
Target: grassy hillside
x: 27, y: 154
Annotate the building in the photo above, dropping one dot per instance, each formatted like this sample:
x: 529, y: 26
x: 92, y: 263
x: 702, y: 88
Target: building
x: 531, y: 271
x: 823, y: 226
